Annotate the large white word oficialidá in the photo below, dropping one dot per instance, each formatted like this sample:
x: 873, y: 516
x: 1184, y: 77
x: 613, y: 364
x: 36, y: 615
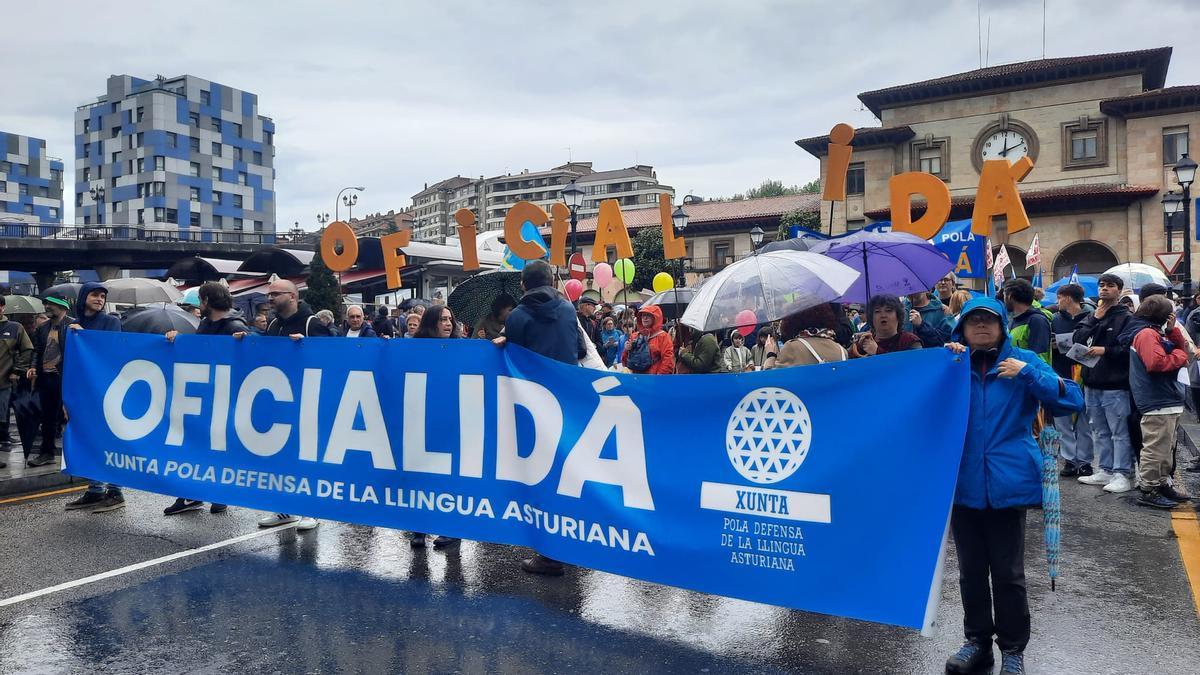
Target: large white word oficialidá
x: 359, y: 396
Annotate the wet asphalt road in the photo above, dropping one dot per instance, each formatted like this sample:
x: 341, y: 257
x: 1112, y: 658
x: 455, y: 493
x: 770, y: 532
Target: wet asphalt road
x: 346, y: 598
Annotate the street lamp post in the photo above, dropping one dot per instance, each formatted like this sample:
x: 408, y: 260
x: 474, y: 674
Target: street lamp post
x: 679, y: 219
x: 1185, y: 174
x: 322, y: 219
x: 98, y: 197
x: 573, y: 196
x: 756, y: 238
x: 338, y: 200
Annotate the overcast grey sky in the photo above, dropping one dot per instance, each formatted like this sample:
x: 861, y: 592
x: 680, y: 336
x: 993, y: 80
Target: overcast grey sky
x: 391, y: 95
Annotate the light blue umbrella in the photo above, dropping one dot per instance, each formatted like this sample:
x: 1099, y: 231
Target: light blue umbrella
x: 1090, y: 285
x: 191, y: 297
x: 1049, y: 441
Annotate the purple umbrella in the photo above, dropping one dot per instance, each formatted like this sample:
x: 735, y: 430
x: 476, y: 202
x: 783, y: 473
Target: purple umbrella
x: 898, y: 263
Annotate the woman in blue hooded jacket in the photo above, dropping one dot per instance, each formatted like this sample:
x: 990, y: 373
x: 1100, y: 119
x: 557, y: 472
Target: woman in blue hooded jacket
x: 999, y: 477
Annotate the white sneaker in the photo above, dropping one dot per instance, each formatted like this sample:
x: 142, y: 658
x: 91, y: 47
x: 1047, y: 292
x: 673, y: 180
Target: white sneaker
x: 307, y: 524
x: 1097, y: 478
x: 1119, y: 484
x: 276, y: 520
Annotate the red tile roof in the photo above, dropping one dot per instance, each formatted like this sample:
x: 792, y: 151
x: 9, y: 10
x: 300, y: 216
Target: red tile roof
x: 701, y: 213
x: 1153, y: 102
x: 1152, y: 63
x: 1097, y: 195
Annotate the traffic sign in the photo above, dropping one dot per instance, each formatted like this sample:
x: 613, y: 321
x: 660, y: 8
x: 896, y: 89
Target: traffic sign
x: 577, y: 267
x: 1169, y: 261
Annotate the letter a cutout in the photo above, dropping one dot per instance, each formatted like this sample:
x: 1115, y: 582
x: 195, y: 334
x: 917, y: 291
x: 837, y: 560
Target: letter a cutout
x: 611, y: 231
x: 998, y: 196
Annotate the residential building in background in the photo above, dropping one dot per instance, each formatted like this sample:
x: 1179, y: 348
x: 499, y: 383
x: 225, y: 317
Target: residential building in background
x: 636, y: 187
x: 1102, y: 130
x: 379, y: 224
x: 177, y: 157
x: 433, y: 207
x: 31, y: 183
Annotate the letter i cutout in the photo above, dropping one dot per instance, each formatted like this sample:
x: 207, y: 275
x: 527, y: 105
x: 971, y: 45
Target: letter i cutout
x: 838, y: 163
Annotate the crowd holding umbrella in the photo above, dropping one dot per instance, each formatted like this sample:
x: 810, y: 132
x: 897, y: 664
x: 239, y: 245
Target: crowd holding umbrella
x: 159, y: 318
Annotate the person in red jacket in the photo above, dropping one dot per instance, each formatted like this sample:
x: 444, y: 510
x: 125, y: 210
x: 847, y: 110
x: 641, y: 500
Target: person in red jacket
x: 653, y: 341
x: 1155, y: 358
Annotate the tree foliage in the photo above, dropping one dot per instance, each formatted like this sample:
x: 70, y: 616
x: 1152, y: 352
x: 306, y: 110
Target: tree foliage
x: 322, y: 291
x: 809, y: 220
x: 776, y: 188
x: 648, y: 258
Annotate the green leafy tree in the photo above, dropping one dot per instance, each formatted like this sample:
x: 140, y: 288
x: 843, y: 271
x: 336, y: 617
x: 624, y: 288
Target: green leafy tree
x: 322, y: 291
x: 809, y: 220
x: 811, y: 187
x: 648, y: 258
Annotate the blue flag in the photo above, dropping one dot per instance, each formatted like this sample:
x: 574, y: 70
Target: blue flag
x: 764, y: 486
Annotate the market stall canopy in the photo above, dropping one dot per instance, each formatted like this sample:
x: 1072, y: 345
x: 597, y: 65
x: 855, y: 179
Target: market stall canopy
x: 286, y: 262
x: 198, y: 268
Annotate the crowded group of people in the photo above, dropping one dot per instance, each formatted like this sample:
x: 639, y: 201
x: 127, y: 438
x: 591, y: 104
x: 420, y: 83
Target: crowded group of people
x: 1109, y: 375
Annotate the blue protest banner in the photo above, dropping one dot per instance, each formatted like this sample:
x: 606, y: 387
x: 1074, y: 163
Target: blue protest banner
x: 963, y: 248
x: 779, y: 487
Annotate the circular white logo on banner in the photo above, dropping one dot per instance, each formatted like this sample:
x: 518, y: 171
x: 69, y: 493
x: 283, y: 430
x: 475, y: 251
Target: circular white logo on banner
x: 768, y: 435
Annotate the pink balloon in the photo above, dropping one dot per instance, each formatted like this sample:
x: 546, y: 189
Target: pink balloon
x: 574, y: 289
x: 746, y: 321
x: 602, y: 273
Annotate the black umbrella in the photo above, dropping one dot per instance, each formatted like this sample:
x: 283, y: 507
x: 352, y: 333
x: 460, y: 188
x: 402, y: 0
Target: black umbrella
x: 159, y: 318
x: 797, y: 244
x: 68, y: 292
x: 472, y: 300
x: 672, y: 302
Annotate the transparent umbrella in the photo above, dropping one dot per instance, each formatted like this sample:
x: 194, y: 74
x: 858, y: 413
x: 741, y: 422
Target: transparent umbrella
x: 1137, y: 275
x: 141, y: 291
x: 771, y: 285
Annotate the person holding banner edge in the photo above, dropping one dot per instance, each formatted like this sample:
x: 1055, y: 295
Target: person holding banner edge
x: 218, y: 318
x: 100, y: 497
x: 998, y: 478
x: 295, y: 320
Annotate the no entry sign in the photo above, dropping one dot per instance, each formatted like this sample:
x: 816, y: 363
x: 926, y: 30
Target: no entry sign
x: 577, y: 267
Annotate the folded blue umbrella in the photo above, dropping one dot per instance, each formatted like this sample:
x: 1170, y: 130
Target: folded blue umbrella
x: 1049, y: 441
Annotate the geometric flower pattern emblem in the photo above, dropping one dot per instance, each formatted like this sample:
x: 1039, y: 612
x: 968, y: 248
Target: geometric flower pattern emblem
x: 768, y: 435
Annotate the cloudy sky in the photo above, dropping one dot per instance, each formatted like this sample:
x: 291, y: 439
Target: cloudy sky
x: 392, y: 95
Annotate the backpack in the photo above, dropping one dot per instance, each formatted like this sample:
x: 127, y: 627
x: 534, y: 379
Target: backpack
x: 640, y: 359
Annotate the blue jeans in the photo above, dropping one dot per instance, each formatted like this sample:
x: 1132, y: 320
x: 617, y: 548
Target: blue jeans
x: 1076, y: 436
x: 1108, y: 415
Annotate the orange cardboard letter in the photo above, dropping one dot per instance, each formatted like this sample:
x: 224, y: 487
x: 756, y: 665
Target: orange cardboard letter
x: 674, y: 247
x: 611, y: 231
x: 393, y: 259
x: 838, y: 162
x: 514, y: 220
x: 336, y: 233
x: 998, y: 196
x: 937, y: 197
x: 466, y: 238
x: 559, y: 214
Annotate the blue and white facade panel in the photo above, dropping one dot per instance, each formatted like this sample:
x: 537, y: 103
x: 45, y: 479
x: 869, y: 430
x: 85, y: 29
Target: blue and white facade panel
x: 181, y: 154
x: 31, y: 188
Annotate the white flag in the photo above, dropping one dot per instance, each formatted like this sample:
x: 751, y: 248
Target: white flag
x: 1034, y: 256
x: 987, y: 253
x: 1001, y: 262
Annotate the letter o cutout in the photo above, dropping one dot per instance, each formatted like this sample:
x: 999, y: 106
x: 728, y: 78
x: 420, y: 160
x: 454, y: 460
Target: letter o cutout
x: 133, y: 372
x: 336, y: 233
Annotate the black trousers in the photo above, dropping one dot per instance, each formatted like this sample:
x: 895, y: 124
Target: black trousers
x: 49, y: 386
x: 991, y: 543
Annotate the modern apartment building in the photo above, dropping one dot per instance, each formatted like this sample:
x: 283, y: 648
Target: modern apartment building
x: 177, y: 157
x: 31, y: 184
x: 490, y: 198
x: 636, y: 187
x: 433, y: 207
x: 380, y: 224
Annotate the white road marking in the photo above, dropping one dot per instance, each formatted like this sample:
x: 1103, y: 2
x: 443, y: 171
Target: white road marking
x: 16, y: 599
